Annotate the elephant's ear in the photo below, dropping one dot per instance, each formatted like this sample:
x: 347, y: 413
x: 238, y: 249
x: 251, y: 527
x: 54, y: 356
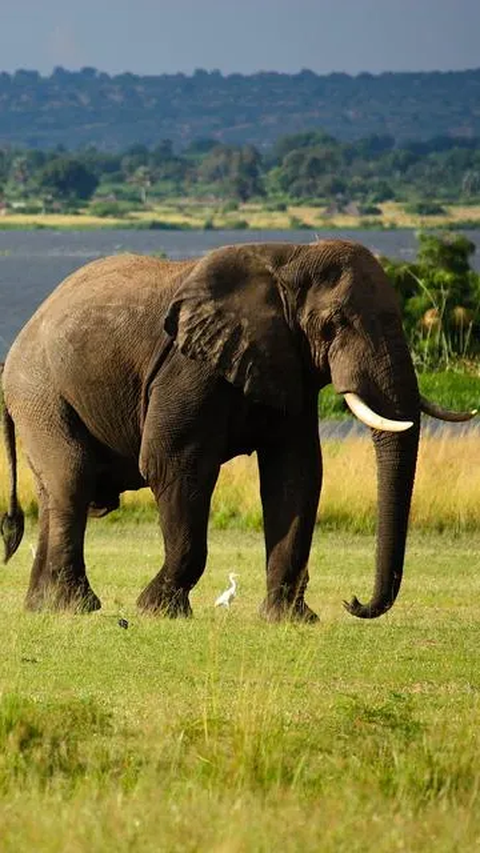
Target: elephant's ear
x: 228, y: 313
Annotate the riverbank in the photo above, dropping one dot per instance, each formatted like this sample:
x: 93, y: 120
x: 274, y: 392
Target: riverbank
x: 188, y: 214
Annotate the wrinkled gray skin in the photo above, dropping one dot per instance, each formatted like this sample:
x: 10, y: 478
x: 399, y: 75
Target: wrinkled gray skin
x: 138, y: 371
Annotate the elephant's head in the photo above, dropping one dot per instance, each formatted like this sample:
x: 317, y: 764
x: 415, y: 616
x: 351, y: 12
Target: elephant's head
x: 281, y: 321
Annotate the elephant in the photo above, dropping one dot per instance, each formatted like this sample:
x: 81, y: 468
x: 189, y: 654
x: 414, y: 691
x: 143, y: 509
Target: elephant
x: 140, y: 372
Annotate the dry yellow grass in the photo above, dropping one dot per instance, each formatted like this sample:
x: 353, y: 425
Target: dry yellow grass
x: 259, y: 218
x: 192, y: 214
x: 447, y: 488
x: 55, y: 220
x: 394, y: 213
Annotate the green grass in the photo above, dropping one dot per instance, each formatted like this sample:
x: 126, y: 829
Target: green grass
x: 454, y: 389
x: 226, y: 734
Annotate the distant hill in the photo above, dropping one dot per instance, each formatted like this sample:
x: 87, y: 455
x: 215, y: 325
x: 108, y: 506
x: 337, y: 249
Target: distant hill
x: 90, y: 107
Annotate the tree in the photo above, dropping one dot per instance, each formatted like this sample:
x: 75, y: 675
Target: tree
x: 373, y: 146
x: 67, y: 179
x: 162, y: 152
x: 311, y: 171
x: 165, y: 165
x: 295, y: 142
x: 439, y: 294
x: 450, y: 253
x: 142, y: 178
x: 199, y: 148
x: 246, y: 173
x: 19, y: 177
x: 236, y: 170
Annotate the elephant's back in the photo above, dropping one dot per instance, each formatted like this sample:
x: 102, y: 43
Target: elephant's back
x: 100, y: 298
x: 119, y: 278
x: 92, y: 339
x: 110, y: 307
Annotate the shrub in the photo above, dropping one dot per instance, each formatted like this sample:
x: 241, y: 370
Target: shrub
x: 276, y: 206
x: 114, y: 209
x: 28, y: 207
x: 160, y: 225
x: 425, y: 208
x: 439, y: 295
x: 369, y: 209
x: 230, y: 206
x: 297, y: 224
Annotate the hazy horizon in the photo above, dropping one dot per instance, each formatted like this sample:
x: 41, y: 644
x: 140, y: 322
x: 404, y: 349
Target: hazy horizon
x: 112, y: 74
x: 148, y: 37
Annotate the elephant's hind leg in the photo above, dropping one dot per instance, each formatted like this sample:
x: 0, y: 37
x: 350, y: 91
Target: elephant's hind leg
x: 34, y: 599
x: 62, y: 465
x: 67, y: 585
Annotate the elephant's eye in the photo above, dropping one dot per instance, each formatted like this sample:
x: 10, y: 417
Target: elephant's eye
x: 328, y: 329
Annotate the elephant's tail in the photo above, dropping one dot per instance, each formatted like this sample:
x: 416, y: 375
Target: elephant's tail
x: 13, y: 521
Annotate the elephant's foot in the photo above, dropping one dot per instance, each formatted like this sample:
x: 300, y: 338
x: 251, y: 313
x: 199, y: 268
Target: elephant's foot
x: 77, y: 598
x: 303, y: 613
x: 159, y: 600
x: 79, y: 601
x: 280, y: 610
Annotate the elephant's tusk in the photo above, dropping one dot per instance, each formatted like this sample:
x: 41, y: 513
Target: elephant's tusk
x: 365, y: 414
x: 445, y: 414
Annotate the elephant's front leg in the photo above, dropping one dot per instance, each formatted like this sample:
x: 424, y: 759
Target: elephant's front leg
x: 290, y: 479
x: 184, y: 508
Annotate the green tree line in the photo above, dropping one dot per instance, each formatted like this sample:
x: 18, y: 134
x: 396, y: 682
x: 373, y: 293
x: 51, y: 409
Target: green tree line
x: 304, y: 167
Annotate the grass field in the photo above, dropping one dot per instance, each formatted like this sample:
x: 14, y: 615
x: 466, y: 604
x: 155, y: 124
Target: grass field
x: 226, y: 734
x: 188, y: 213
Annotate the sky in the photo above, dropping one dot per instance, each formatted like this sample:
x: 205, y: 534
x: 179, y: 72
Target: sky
x: 159, y: 37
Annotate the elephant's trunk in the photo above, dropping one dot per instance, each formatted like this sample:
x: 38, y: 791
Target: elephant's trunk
x: 396, y: 459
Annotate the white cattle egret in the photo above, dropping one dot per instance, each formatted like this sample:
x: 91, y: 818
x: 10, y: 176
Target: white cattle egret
x: 225, y: 598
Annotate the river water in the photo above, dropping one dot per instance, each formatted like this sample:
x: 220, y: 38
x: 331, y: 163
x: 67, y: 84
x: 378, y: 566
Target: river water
x: 32, y: 263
